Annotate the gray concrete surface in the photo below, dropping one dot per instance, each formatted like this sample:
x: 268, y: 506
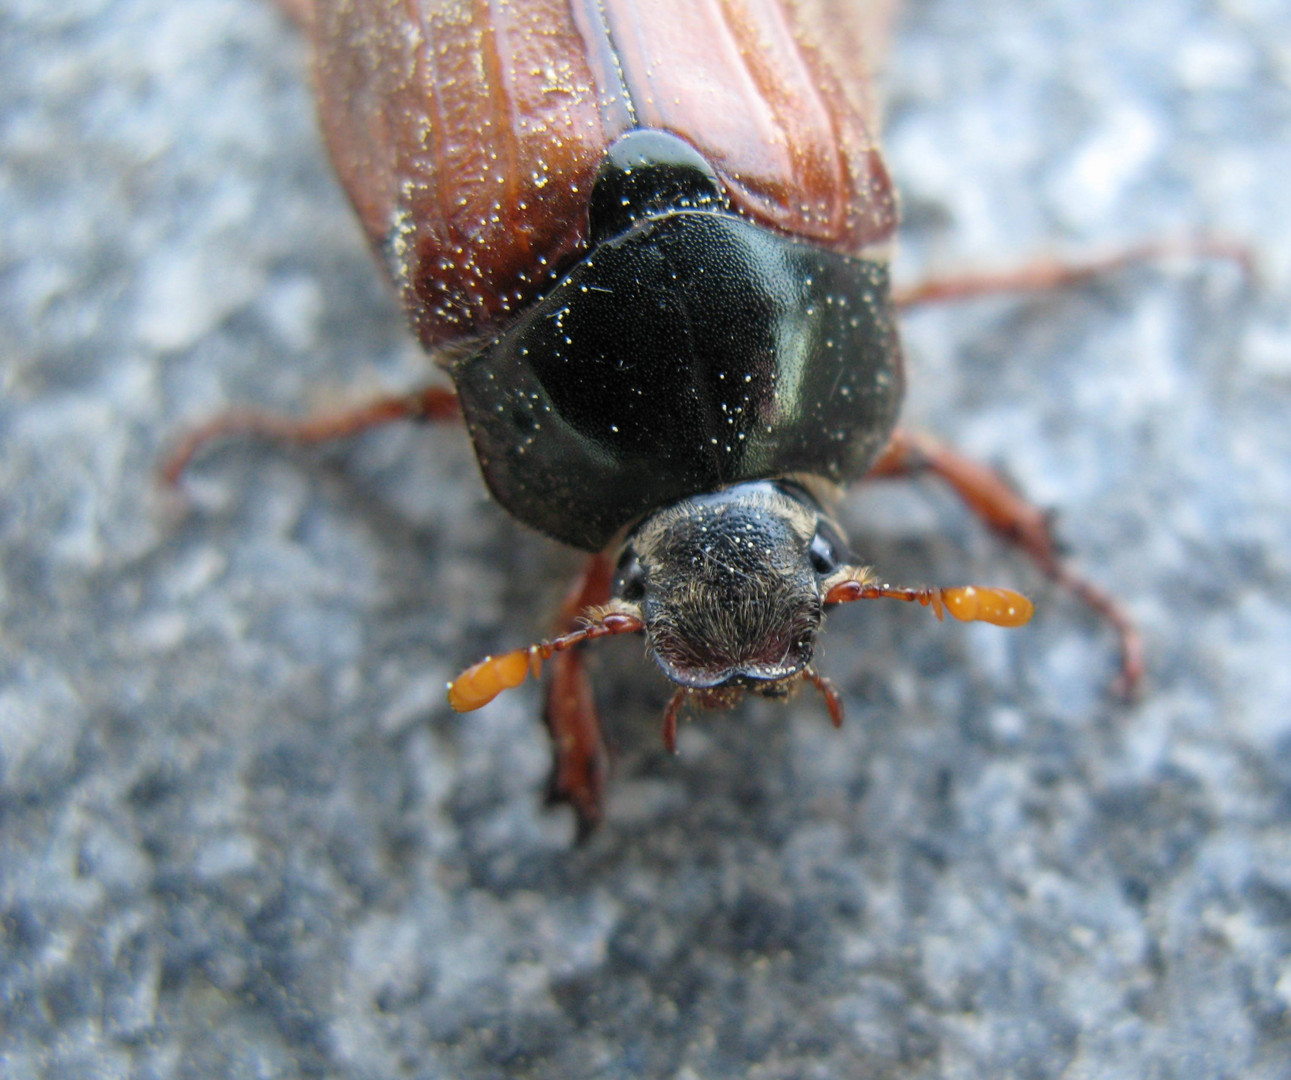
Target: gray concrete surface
x: 240, y: 834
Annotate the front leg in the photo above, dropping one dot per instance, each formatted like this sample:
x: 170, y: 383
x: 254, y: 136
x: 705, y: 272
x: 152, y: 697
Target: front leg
x: 580, y: 760
x: 995, y: 502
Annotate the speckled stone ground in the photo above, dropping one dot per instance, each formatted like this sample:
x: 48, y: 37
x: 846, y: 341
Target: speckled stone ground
x: 240, y: 834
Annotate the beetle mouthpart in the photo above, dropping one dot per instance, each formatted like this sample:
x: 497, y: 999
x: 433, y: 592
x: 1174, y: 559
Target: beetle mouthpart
x: 724, y: 697
x: 833, y: 700
x: 670, y: 715
x: 706, y: 668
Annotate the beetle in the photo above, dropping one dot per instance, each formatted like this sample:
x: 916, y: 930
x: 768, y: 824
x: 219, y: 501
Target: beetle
x: 649, y: 241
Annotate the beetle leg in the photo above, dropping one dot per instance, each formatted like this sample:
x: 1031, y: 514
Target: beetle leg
x: 580, y: 766
x: 432, y: 403
x: 988, y: 495
x: 984, y: 491
x: 1044, y: 274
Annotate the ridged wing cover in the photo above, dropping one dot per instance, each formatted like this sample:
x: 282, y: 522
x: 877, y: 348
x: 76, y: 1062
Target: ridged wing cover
x: 468, y: 132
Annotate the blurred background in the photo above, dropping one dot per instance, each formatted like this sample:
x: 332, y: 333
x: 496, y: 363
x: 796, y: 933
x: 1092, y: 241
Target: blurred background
x: 240, y: 833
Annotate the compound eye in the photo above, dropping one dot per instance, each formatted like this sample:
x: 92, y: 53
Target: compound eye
x: 826, y: 551
x: 629, y: 578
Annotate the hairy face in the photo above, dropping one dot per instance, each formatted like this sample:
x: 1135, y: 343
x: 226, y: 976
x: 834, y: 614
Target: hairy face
x: 729, y: 585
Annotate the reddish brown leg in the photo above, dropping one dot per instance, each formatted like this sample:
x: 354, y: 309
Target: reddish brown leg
x: 430, y: 403
x: 578, y: 773
x: 985, y: 492
x: 1008, y: 514
x: 1055, y: 273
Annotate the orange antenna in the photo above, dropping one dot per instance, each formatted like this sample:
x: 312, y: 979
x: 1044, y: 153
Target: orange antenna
x: 967, y: 603
x: 481, y: 683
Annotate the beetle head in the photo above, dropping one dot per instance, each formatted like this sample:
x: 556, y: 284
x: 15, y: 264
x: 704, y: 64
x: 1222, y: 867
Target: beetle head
x: 730, y: 589
x: 729, y: 585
